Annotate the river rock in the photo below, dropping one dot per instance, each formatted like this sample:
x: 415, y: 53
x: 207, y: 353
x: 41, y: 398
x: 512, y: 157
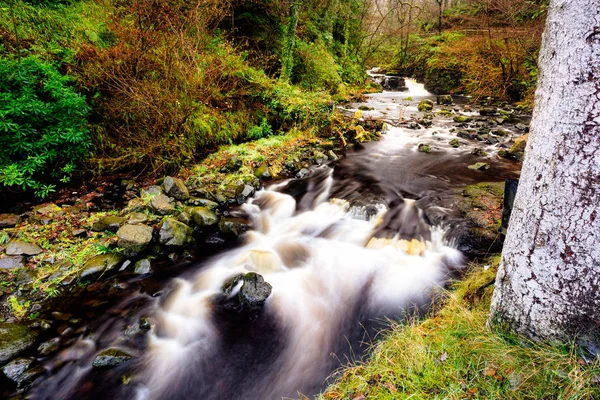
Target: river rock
x: 108, y: 223
x: 162, y: 205
x: 254, y: 291
x: 242, y: 192
x: 204, y: 216
x: 99, y: 265
x: 110, y: 358
x: 175, y: 233
x: 425, y: 105
x: 203, y: 202
x: 143, y: 266
x: 137, y: 218
x: 488, y: 112
x: 11, y: 262
x: 522, y: 127
x: 233, y: 164
x: 18, y: 248
x: 461, y: 119
x: 14, y: 339
x: 303, y: 173
x: 454, y: 143
x: 263, y: 173
x: 394, y: 83
x: 233, y: 226
x: 9, y: 220
x: 424, y: 148
x: 15, y: 369
x: 134, y: 238
x: 175, y: 188
x: 320, y: 158
x: 445, y: 100
x: 467, y: 134
x: 479, y: 152
x: 151, y: 191
x: 480, y: 166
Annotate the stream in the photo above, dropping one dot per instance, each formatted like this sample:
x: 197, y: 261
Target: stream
x: 330, y: 259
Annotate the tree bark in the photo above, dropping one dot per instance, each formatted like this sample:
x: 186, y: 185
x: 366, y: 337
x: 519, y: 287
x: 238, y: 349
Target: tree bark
x: 548, y: 284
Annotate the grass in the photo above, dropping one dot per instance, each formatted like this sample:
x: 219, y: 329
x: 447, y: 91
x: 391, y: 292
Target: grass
x: 454, y: 355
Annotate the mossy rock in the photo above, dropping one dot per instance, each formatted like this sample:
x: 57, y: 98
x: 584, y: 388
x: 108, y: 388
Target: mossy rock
x: 424, y: 148
x: 108, y: 223
x: 479, y: 152
x: 111, y: 358
x: 134, y: 238
x: 14, y: 339
x: 425, y: 105
x: 175, y: 233
x: 263, y: 173
x: 100, y: 265
x: 203, y: 216
x: 517, y: 150
x: 461, y: 119
x: 175, y: 188
x: 480, y: 166
x: 454, y: 143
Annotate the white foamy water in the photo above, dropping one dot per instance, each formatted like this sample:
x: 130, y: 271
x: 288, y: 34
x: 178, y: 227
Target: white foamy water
x: 326, y: 270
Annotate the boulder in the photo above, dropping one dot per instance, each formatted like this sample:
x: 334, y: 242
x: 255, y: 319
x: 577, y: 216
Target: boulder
x: 445, y: 99
x: 479, y: 152
x: 320, y: 158
x: 517, y: 150
x: 151, y: 191
x: 303, y: 173
x: 175, y: 233
x: 175, y: 188
x: 110, y: 358
x: 233, y: 226
x: 254, y: 291
x: 522, y: 127
x: 204, y: 203
x: 11, y: 262
x: 9, y: 220
x: 14, y: 339
x: 137, y: 218
x: 49, y: 347
x: 15, y: 370
x: 425, y: 105
x: 394, y: 83
x: 467, y: 134
x: 143, y: 266
x: 18, y: 248
x: 204, y: 216
x: 134, y: 238
x: 99, y: 265
x: 262, y: 173
x: 488, y: 112
x: 454, y: 143
x: 162, y: 205
x: 461, y: 119
x: 242, y: 192
x: 480, y: 166
x: 108, y: 223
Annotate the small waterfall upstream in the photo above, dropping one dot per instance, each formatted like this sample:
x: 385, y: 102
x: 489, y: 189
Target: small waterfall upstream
x: 330, y: 277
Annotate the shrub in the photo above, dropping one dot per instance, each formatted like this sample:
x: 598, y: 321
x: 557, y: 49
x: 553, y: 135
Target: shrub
x: 43, y: 126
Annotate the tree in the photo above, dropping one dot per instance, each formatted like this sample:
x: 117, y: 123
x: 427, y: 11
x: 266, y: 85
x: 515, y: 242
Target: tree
x: 548, y: 283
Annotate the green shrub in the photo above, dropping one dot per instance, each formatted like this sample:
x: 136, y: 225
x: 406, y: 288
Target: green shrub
x: 43, y: 126
x: 316, y: 68
x: 260, y: 131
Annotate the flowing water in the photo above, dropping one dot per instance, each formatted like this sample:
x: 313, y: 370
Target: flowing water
x: 369, y: 237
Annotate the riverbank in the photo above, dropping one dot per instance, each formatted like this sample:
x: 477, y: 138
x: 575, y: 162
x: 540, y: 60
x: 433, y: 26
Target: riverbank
x: 453, y: 354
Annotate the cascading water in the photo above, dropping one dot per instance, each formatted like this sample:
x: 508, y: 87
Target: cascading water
x: 329, y: 276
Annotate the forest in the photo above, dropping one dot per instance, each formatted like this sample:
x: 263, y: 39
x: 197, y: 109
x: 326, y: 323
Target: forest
x: 268, y: 199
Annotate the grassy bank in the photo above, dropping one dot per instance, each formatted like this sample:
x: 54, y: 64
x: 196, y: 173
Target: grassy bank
x: 454, y: 355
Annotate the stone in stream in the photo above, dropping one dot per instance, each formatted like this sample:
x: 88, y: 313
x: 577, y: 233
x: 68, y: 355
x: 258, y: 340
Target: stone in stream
x: 9, y: 220
x: 461, y: 119
x: 14, y: 339
x: 11, y: 262
x: 467, y: 134
x: 262, y: 173
x: 15, y: 370
x: 99, y: 265
x: 480, y: 166
x: 175, y: 233
x: 175, y: 188
x: 254, y: 291
x: 479, y: 152
x: 233, y: 226
x: 110, y: 358
x: 522, y: 127
x: 425, y: 105
x: 108, y: 223
x: 445, y: 99
x: 143, y: 266
x: 203, y: 202
x: 424, y: 148
x: 204, y: 216
x: 488, y: 112
x: 320, y: 158
x: 242, y: 192
x: 49, y: 347
x: 162, y: 205
x: 19, y: 248
x: 454, y: 143
x: 134, y: 238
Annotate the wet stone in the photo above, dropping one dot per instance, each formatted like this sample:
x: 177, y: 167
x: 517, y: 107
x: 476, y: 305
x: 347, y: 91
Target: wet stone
x: 17, y: 248
x: 320, y: 158
x: 99, y: 265
x: 9, y: 220
x: 111, y: 358
x: 61, y: 316
x: 162, y: 205
x: 108, y: 223
x: 233, y: 226
x: 233, y: 164
x: 176, y: 188
x: 49, y: 347
x: 480, y: 166
x: 14, y: 339
x: 204, y: 203
x: 11, y: 262
x: 262, y: 173
x: 134, y: 238
x: 425, y: 105
x: 522, y: 127
x: 151, y: 191
x: 175, y: 233
x: 143, y: 266
x: 303, y: 173
x: 254, y: 291
x: 204, y: 216
x: 454, y: 143
x: 137, y: 218
x: 15, y: 369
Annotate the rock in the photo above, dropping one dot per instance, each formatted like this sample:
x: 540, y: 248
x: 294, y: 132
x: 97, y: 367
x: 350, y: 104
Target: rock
x: 254, y: 291
x: 175, y: 188
x: 61, y: 316
x: 522, y: 127
x: 108, y: 223
x: 230, y: 283
x: 454, y: 143
x: 79, y: 233
x: 242, y: 192
x: 134, y: 238
x: 327, y: 145
x: 491, y: 140
x: 303, y: 173
x: 233, y: 226
x: 110, y: 358
x: 162, y: 205
x: 233, y: 164
x: 480, y: 166
x: 332, y: 156
x: 413, y: 125
x: 204, y: 203
x: 175, y: 233
x: 517, y: 150
x: 15, y: 369
x: 461, y: 119
x: 467, y: 134
x: 445, y: 99
x: 478, y: 152
x: 424, y: 148
x: 320, y: 158
x: 99, y: 265
x: 11, y: 262
x: 143, y: 266
x: 425, y: 105
x: 137, y: 218
x: 394, y: 83
x: 204, y: 216
x: 151, y: 192
x: 49, y: 347
x: 262, y: 173
x: 9, y: 220
x: 501, y: 132
x: 488, y: 112
x: 18, y: 248
x: 47, y: 209
x: 14, y: 339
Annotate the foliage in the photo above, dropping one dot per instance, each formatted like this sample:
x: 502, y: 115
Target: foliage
x: 43, y: 126
x: 453, y: 355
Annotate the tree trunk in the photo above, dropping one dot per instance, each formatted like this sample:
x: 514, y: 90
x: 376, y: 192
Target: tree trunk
x: 548, y: 284
x: 287, y: 59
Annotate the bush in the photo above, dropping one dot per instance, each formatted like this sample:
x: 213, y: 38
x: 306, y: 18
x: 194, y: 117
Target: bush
x: 43, y: 126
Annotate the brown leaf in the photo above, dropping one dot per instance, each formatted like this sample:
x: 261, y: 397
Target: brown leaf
x: 390, y: 386
x: 489, y: 371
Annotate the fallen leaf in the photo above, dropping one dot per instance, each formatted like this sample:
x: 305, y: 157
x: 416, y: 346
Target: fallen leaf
x: 488, y: 371
x: 390, y: 386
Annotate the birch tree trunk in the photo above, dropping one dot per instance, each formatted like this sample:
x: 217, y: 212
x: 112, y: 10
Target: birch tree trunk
x: 548, y: 284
